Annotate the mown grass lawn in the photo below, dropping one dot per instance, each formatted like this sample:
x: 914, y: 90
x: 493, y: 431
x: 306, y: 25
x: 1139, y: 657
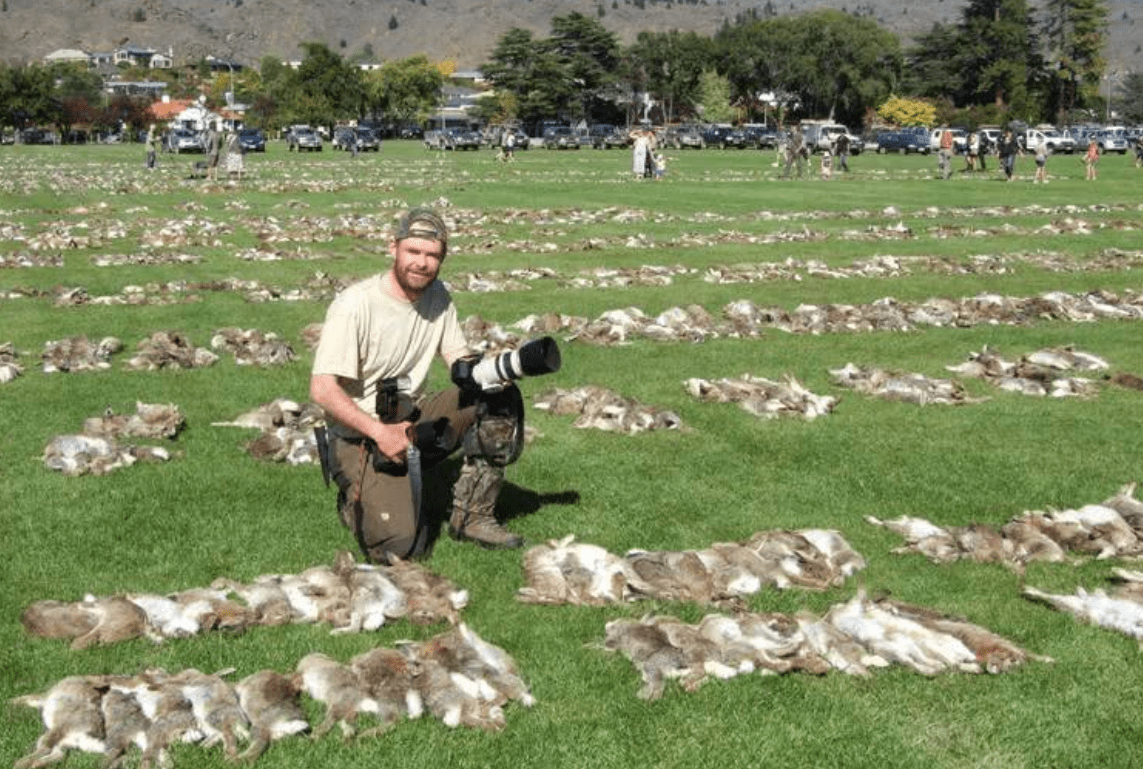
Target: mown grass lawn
x: 214, y: 511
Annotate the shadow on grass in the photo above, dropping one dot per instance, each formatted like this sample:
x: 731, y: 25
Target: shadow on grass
x: 512, y: 503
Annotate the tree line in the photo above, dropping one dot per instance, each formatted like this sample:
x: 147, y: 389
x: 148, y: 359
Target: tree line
x: 324, y: 90
x: 996, y: 63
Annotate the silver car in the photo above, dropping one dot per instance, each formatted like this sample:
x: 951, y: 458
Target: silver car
x: 184, y: 140
x: 303, y: 138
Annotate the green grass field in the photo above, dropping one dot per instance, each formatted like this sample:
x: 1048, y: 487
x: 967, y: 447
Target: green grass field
x: 215, y: 511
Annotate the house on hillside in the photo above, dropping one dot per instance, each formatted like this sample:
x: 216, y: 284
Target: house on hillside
x: 143, y: 57
x: 223, y: 65
x: 152, y: 88
x: 69, y: 56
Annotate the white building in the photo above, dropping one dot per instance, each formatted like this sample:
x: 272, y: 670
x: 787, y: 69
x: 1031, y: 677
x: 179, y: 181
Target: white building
x: 68, y: 56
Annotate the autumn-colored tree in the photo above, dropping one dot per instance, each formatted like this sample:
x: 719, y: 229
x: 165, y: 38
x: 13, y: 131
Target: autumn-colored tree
x: 907, y: 112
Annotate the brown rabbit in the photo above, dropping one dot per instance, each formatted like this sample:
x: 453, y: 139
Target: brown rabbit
x: 389, y: 676
x: 270, y: 702
x: 70, y: 711
x: 125, y: 724
x: 335, y: 685
x: 217, y: 712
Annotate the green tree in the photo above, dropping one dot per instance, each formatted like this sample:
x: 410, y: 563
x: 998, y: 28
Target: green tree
x: 266, y: 104
x: 828, y: 63
x: 78, y: 94
x: 991, y: 58
x: 28, y: 96
x: 496, y: 107
x: 132, y: 111
x: 670, y: 66
x: 1000, y: 54
x: 932, y: 71
x: 509, y: 67
x: 404, y: 90
x: 1075, y: 36
x: 590, y: 56
x: 325, y: 88
x: 1131, y: 95
x: 529, y: 70
x: 714, y: 97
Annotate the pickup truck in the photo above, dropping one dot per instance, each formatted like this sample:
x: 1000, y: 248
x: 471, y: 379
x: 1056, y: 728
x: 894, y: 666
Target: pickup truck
x: 821, y: 136
x: 1056, y: 141
x: 960, y: 140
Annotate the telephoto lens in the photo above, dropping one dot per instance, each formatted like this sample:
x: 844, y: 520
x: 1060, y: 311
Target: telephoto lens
x: 534, y: 358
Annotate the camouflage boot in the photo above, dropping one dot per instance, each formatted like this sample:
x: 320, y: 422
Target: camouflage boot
x: 473, y: 501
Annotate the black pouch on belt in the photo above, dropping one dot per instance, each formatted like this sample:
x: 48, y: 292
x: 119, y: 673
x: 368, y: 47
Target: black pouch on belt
x: 394, y: 405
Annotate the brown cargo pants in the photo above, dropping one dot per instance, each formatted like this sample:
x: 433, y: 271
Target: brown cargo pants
x: 378, y: 506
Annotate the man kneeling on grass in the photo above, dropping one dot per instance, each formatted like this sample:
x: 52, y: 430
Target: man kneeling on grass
x: 378, y: 342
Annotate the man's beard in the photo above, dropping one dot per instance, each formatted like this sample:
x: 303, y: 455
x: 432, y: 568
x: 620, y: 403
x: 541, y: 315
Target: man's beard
x: 412, y: 282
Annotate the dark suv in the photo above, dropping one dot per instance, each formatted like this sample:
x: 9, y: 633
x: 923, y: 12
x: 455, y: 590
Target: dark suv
x: 604, y: 136
x: 722, y: 136
x: 366, y: 140
x: 560, y: 138
x: 684, y: 137
x: 303, y: 138
x: 904, y: 140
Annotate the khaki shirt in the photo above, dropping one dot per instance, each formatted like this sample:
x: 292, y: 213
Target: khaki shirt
x: 369, y: 336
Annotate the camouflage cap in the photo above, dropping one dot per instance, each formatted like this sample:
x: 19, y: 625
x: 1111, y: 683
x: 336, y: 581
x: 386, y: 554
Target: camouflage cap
x: 422, y: 223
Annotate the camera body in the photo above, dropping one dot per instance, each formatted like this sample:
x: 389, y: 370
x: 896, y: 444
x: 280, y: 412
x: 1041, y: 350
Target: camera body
x: 535, y: 358
x: 394, y: 402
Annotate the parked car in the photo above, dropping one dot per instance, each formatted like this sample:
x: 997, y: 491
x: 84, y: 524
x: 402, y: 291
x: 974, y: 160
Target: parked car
x: 302, y: 137
x: 453, y: 139
x: 856, y: 144
x: 346, y: 136
x: 723, y: 136
x: 1056, y: 142
x: 827, y: 134
x: 38, y: 136
x: 496, y: 135
x: 560, y: 138
x: 904, y: 140
x: 251, y: 140
x: 1113, y: 139
x: 368, y: 140
x: 960, y: 139
x: 684, y: 137
x: 989, y: 139
x: 762, y: 137
x: 605, y: 136
x: 819, y: 135
x: 184, y: 140
x: 410, y: 131
x: 520, y: 138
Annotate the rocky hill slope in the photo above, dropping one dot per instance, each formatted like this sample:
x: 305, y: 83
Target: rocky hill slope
x: 463, y: 31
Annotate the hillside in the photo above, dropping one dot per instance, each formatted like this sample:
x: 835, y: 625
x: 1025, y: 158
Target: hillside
x: 463, y: 31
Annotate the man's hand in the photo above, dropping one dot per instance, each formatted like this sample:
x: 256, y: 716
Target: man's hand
x: 392, y: 440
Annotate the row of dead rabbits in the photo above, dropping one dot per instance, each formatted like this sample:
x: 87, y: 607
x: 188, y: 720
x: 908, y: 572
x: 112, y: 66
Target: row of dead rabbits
x: 456, y: 677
